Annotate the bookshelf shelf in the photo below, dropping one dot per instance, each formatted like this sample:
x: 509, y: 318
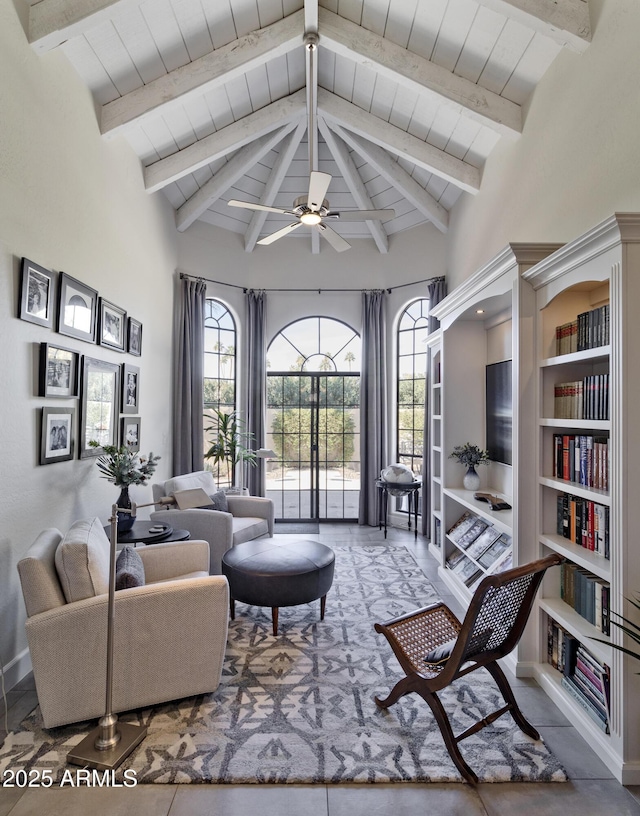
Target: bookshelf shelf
x: 587, y: 355
x: 577, y: 626
x: 579, y: 555
x: 591, y: 493
x: 601, y: 425
x: 502, y: 519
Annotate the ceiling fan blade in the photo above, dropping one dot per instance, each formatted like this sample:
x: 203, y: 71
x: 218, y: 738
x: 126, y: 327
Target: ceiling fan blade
x: 318, y: 186
x: 247, y: 206
x: 336, y: 241
x: 280, y: 233
x: 363, y: 215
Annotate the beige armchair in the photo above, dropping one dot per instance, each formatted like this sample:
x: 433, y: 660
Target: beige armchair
x: 169, y: 637
x: 249, y: 517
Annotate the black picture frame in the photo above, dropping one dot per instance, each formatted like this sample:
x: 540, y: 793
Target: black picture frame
x: 130, y: 432
x: 99, y: 405
x: 58, y: 371
x: 113, y: 325
x: 130, y: 389
x: 78, y: 309
x: 57, y: 435
x: 37, y: 290
x: 134, y: 337
x: 499, y: 412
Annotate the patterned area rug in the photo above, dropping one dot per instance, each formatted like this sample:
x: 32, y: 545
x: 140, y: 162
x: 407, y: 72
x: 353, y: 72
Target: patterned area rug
x: 299, y: 708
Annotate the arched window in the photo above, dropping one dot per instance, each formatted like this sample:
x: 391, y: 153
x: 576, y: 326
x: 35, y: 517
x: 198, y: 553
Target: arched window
x: 412, y: 368
x: 219, y: 363
x: 315, y: 344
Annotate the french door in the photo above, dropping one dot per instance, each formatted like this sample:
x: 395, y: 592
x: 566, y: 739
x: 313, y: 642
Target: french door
x: 313, y: 424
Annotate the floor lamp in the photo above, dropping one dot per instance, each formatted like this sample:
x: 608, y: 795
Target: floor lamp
x: 111, y: 742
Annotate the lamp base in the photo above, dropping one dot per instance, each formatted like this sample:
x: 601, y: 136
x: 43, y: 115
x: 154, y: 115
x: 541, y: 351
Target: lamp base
x: 86, y: 754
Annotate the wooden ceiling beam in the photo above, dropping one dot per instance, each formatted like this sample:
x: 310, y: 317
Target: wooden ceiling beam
x: 397, y: 141
x: 354, y: 182
x: 421, y: 76
x: 390, y: 170
x: 224, y: 141
x: 53, y: 22
x: 203, y: 75
x: 274, y: 182
x: 564, y: 21
x: 227, y: 176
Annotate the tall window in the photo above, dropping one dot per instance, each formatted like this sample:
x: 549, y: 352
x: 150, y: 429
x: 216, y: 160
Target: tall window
x: 219, y: 366
x: 412, y: 368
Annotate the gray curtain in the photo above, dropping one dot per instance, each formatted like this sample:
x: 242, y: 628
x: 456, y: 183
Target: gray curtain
x: 188, y: 392
x: 256, y: 302
x: 373, y: 403
x: 437, y: 291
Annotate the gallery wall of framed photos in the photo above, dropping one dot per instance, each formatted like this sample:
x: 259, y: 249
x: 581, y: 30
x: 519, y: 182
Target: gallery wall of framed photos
x: 105, y: 390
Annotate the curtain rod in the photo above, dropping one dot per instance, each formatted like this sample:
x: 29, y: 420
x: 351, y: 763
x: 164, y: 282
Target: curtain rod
x: 245, y: 289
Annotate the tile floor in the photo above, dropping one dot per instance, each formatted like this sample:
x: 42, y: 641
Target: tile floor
x: 592, y: 790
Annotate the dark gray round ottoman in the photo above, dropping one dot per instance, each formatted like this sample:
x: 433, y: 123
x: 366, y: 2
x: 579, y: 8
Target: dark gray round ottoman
x: 263, y: 573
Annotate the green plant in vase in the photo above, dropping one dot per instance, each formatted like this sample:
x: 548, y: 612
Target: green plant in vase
x: 230, y: 443
x: 124, y: 467
x: 470, y: 456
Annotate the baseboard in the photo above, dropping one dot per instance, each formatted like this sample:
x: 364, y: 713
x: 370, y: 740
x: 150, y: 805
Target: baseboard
x: 16, y: 669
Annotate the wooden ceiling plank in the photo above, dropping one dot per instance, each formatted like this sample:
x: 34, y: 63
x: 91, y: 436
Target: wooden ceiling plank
x: 311, y: 15
x: 420, y: 75
x: 274, y: 182
x: 389, y: 169
x: 566, y: 22
x: 397, y: 141
x: 355, y: 184
x: 53, y: 22
x: 204, y: 74
x: 224, y: 141
x: 245, y: 158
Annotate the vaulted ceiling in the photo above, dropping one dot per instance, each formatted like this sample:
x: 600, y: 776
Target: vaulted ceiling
x: 409, y: 97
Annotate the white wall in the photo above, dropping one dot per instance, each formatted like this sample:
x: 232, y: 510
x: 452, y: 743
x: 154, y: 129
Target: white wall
x: 577, y: 160
x: 69, y: 201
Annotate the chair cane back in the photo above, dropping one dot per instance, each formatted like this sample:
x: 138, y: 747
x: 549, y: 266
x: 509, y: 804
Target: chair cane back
x: 434, y: 648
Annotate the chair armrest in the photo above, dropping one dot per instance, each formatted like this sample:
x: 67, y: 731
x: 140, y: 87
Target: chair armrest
x: 254, y: 506
x: 213, y: 526
x: 175, y: 558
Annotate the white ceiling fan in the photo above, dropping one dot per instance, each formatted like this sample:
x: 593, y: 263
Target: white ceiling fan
x: 312, y: 209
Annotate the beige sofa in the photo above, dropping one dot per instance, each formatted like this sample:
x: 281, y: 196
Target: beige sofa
x: 169, y: 637
x: 249, y: 517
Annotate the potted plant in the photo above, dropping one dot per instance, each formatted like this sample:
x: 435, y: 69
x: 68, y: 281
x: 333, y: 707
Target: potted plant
x: 470, y: 456
x: 229, y: 443
x: 123, y: 467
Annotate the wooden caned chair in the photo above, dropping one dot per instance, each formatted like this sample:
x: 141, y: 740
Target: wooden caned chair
x: 434, y: 648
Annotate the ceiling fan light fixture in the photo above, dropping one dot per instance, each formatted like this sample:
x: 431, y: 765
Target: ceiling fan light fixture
x: 311, y: 218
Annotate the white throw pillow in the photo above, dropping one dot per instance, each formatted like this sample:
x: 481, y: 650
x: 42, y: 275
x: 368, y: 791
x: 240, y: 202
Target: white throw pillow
x: 82, y: 561
x: 202, y: 478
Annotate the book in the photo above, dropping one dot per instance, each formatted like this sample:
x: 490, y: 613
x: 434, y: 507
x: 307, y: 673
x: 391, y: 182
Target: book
x: 461, y: 526
x: 483, y: 542
x: 495, y: 551
x: 469, y: 536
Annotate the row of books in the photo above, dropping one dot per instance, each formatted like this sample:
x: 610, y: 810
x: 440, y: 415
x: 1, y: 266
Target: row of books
x: 584, y: 522
x: 587, y: 594
x: 582, y: 399
x: 584, y: 677
x: 480, y: 547
x: 589, y: 330
x: 582, y: 459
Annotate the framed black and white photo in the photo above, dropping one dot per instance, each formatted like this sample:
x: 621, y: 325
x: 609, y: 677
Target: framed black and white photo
x: 56, y: 443
x: 78, y: 312
x: 130, y: 433
x: 130, y: 389
x: 58, y: 371
x: 99, y: 405
x: 134, y: 337
x: 113, y: 325
x: 36, y: 294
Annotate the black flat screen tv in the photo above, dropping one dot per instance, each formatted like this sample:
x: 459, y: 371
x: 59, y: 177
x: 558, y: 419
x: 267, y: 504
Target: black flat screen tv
x: 499, y: 412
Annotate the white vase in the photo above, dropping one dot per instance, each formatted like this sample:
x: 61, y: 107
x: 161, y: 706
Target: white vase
x: 471, y: 480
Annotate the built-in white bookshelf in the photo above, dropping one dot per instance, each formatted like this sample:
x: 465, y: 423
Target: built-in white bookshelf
x: 436, y: 533
x: 488, y: 320
x: 599, y: 268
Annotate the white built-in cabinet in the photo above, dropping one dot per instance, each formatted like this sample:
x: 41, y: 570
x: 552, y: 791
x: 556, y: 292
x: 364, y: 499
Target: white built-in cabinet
x: 510, y: 309
x: 436, y: 533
